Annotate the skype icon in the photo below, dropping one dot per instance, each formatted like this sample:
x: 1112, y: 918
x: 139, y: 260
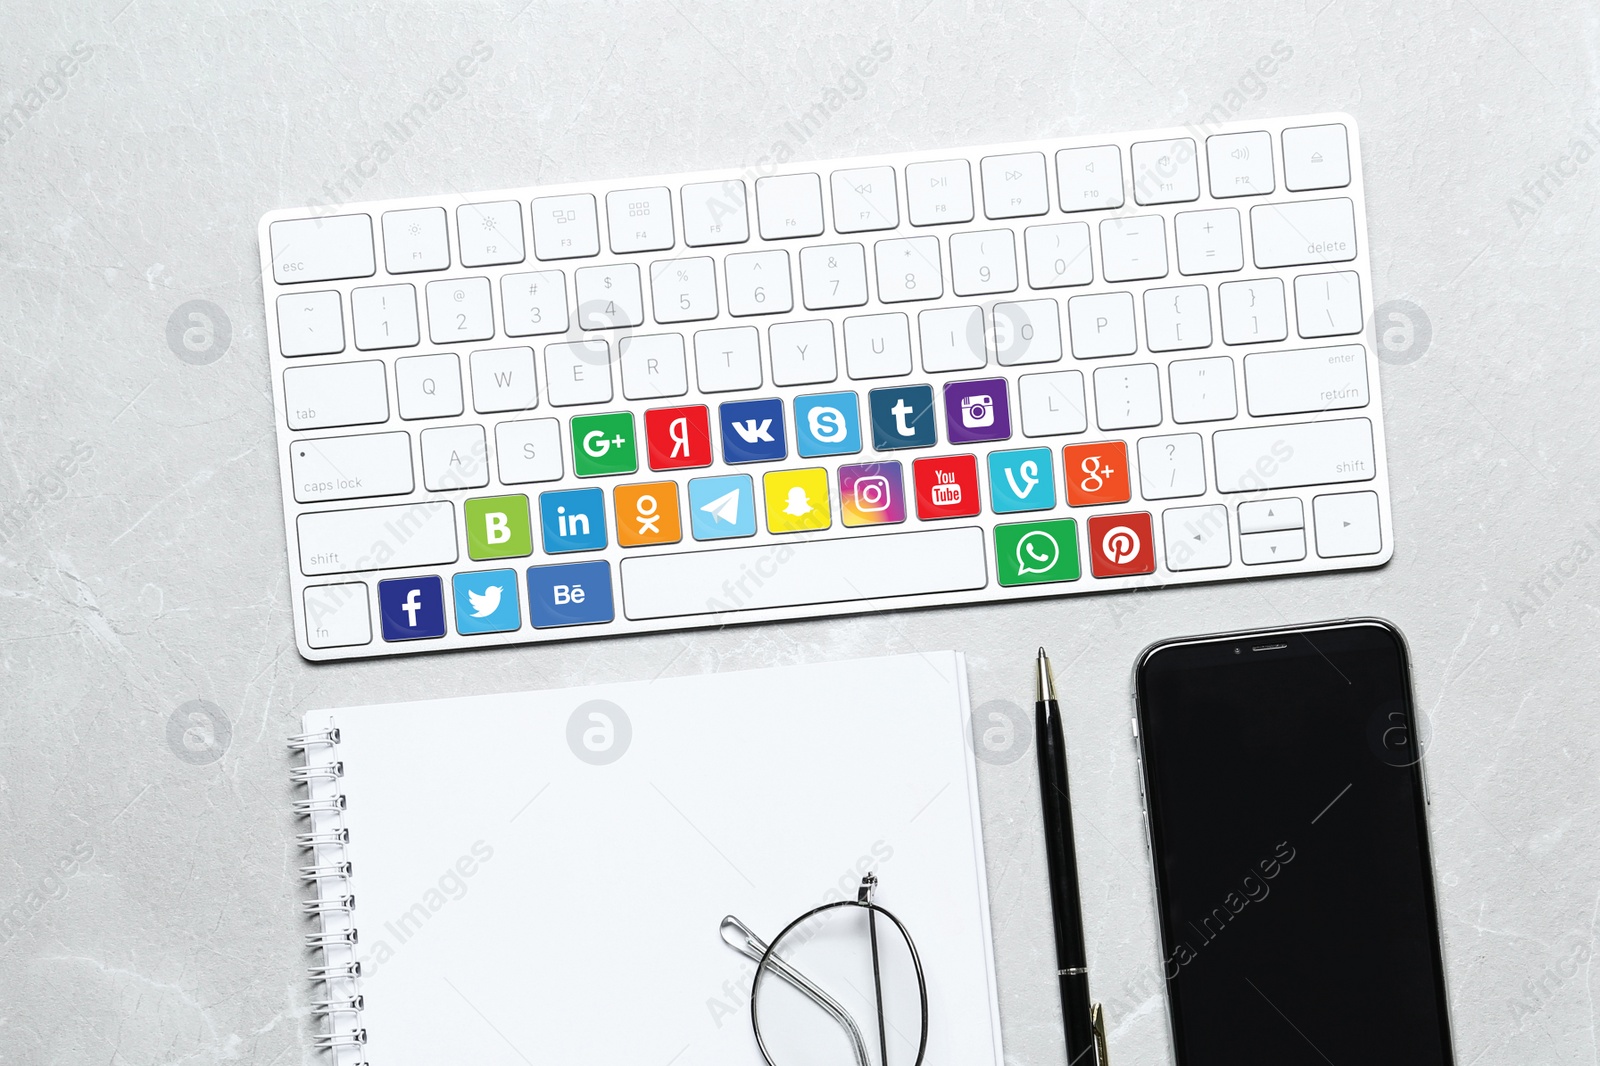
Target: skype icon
x: 827, y: 424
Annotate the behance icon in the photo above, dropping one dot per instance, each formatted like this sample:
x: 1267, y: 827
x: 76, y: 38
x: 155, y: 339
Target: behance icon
x: 486, y: 602
x: 827, y: 424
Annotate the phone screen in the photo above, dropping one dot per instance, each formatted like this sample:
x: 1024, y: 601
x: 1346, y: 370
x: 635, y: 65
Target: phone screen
x: 1287, y: 827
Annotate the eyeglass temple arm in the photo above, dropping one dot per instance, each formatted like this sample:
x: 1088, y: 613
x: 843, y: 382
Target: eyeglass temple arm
x: 739, y: 936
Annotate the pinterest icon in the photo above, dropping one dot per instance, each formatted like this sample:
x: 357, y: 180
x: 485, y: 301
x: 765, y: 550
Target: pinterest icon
x: 1119, y: 544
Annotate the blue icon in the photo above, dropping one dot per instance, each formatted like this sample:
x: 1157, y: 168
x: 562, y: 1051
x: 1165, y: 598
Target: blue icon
x: 722, y: 507
x: 486, y: 602
x: 1022, y: 480
x: 570, y: 594
x: 827, y: 425
x: 574, y: 520
x: 752, y: 431
x: 902, y: 417
x: 412, y: 608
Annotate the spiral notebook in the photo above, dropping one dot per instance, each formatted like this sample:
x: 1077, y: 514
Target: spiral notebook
x: 539, y: 877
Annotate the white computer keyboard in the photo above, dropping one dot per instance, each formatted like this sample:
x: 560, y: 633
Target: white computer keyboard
x: 944, y: 377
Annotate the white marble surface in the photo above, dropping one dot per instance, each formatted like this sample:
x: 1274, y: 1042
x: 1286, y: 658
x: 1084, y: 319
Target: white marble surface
x: 142, y: 561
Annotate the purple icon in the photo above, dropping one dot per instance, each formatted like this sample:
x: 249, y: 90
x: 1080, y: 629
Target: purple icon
x: 977, y: 410
x: 871, y: 494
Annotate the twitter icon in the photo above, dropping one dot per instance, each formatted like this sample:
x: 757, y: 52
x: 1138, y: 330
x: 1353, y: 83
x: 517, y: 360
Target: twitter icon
x: 486, y: 602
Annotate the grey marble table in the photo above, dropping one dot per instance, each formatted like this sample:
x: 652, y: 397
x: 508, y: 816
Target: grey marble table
x: 142, y: 562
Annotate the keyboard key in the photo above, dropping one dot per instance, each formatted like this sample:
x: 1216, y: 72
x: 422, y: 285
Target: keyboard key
x: 1307, y: 231
x: 1014, y: 185
x: 1059, y: 255
x: 654, y: 367
x: 728, y: 360
x: 454, y: 457
x: 939, y: 192
x: 1023, y: 479
x: 714, y: 213
x: 1202, y: 389
x: 1127, y: 397
x: 1177, y: 318
x: 570, y: 594
x: 498, y: 527
x: 577, y: 372
x: 1133, y: 249
x: 1328, y: 305
x: 365, y: 538
x: 1096, y: 473
x: 503, y: 380
x: 310, y: 323
x: 604, y: 444
x: 1347, y: 524
x: 528, y: 450
x: 877, y: 346
x: 639, y: 220
x: 1196, y: 538
x: 385, y: 316
x: 871, y: 494
x: 1165, y: 172
x: 1316, y: 157
x: 1027, y: 332
x: 1090, y: 178
x: 415, y: 240
x: 1283, y: 546
x: 684, y: 290
x: 565, y: 227
x: 977, y: 410
x: 486, y: 601
x: 802, y: 353
x: 459, y: 310
x: 337, y: 616
x: 827, y: 423
x: 924, y: 562
x: 647, y: 514
x: 1052, y: 403
x: 721, y: 508
x: 908, y: 269
x: 947, y: 487
x: 678, y: 437
x: 1240, y: 164
x: 337, y: 394
x: 1209, y: 242
x: 1121, y: 545
x: 864, y: 200
x: 902, y: 418
x: 1030, y: 553
x: 1252, y: 311
x: 833, y: 275
x: 428, y: 386
x: 758, y: 283
x: 1171, y: 467
x: 983, y: 262
x: 797, y: 500
x: 1263, y: 516
x: 490, y: 234
x: 1281, y: 457
x: 534, y: 303
x: 322, y: 249
x: 1306, y: 381
x: 752, y: 431
x: 609, y: 297
x: 572, y: 520
x: 789, y: 205
x: 1101, y: 325
x: 347, y: 468
x: 411, y: 608
x: 952, y: 339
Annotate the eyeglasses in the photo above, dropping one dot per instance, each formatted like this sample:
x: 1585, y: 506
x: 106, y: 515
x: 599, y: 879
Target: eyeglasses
x: 828, y: 967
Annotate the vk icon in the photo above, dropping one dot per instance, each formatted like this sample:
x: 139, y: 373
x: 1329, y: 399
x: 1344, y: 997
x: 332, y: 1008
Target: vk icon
x: 574, y: 520
x: 1022, y: 480
x: 752, y: 431
x: 826, y: 425
x: 486, y: 602
x: 722, y: 507
x: 412, y: 608
x: 902, y: 418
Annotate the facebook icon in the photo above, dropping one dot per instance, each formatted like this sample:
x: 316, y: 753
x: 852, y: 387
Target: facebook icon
x: 412, y: 608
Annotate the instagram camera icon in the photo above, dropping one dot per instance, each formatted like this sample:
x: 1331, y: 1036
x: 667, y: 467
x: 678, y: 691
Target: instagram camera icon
x: 871, y: 494
x: 977, y: 411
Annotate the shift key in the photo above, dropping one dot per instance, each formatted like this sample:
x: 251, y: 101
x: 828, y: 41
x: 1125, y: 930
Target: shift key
x: 377, y: 538
x: 1302, y: 453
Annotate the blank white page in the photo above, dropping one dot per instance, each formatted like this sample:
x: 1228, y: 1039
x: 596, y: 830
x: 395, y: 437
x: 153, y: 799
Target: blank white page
x: 517, y: 904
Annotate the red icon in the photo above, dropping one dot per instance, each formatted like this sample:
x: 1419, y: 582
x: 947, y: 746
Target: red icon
x: 677, y: 437
x: 1121, y: 544
x: 1096, y: 473
x: 947, y: 486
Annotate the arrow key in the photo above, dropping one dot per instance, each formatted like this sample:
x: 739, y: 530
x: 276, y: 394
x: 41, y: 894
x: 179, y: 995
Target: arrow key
x: 1279, y: 546
x: 1263, y: 516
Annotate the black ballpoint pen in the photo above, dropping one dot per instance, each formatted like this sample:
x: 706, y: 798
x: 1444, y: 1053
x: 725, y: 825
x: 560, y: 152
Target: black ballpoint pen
x: 1084, y: 1023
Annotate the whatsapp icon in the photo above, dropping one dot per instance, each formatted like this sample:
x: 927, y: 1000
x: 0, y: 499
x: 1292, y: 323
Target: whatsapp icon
x: 1029, y: 553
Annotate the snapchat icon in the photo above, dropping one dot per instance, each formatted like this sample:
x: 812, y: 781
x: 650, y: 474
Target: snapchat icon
x: 797, y: 500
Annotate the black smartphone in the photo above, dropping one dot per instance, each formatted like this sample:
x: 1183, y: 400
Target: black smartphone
x: 1286, y: 809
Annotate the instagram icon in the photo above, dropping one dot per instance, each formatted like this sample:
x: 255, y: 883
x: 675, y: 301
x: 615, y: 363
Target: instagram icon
x: 871, y: 494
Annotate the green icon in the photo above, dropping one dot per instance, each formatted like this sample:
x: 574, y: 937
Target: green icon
x: 1032, y: 553
x: 603, y: 444
x: 498, y: 527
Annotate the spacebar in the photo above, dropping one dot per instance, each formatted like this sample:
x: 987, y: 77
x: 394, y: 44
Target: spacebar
x: 798, y: 573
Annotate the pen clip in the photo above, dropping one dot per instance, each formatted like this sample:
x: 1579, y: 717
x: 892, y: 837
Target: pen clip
x: 1097, y: 1019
